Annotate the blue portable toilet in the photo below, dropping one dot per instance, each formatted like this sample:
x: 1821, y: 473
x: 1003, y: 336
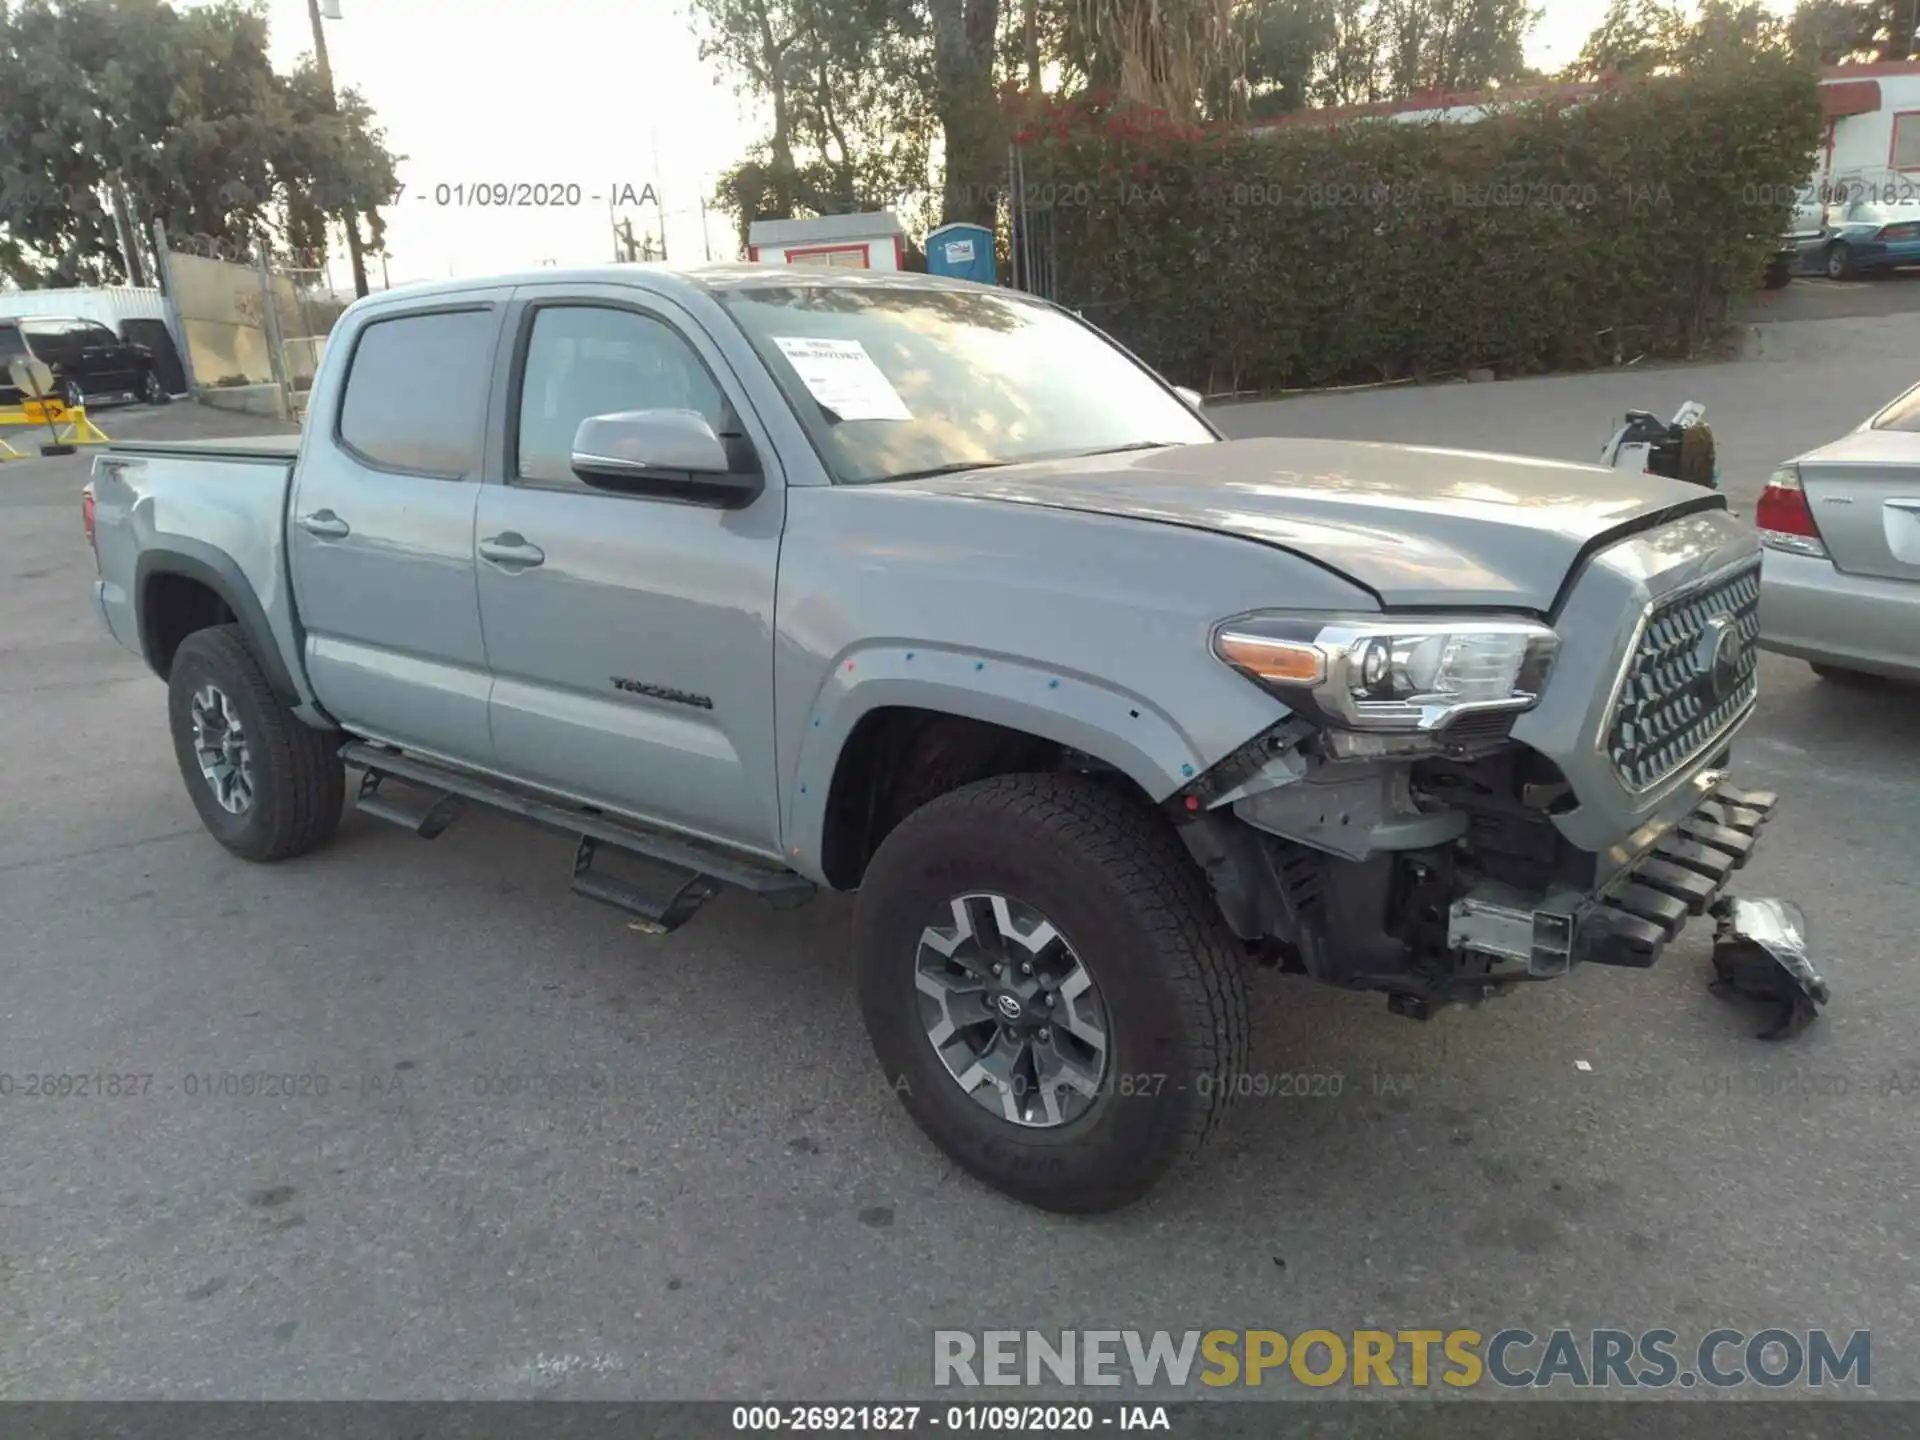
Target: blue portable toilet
x: 963, y: 251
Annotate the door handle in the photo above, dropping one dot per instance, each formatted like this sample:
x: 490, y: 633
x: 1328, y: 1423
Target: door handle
x: 325, y: 524
x: 511, y: 551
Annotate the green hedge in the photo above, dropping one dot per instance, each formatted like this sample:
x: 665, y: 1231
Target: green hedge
x: 1545, y: 237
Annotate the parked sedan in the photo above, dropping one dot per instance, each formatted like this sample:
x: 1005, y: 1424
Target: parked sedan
x: 1840, y: 582
x: 1868, y: 235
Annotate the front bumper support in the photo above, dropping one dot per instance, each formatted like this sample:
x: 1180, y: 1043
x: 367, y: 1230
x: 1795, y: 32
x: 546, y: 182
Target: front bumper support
x: 1682, y: 876
x: 1633, y: 918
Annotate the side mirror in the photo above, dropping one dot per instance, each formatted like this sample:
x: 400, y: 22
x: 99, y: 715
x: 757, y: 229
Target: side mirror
x: 1195, y: 400
x: 672, y: 453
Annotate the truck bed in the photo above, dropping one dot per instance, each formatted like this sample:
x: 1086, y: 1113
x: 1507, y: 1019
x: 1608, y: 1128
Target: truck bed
x: 276, y: 448
x: 212, y: 512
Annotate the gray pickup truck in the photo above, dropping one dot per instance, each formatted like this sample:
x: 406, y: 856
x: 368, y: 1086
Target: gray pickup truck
x: 778, y: 579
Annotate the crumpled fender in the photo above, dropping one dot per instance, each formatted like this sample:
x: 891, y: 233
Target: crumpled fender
x: 1127, y: 731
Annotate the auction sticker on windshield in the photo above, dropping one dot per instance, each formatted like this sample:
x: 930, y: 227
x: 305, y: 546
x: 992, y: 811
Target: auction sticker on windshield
x: 843, y: 378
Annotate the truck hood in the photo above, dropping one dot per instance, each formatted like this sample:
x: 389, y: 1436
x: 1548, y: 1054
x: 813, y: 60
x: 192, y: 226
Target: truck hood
x: 1414, y: 524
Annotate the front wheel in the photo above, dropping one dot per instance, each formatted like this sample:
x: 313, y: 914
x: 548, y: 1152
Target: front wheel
x: 1050, y: 988
x: 267, y: 786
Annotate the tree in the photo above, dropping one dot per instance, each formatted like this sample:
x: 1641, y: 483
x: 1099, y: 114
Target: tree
x: 1360, y: 52
x: 54, y: 157
x: 1167, y: 55
x: 1457, y: 44
x: 845, y: 82
x: 756, y: 39
x: 1634, y: 37
x: 328, y: 161
x: 1288, y: 45
x: 972, y: 132
x: 1652, y: 37
x: 1725, y: 29
x: 181, y: 115
x: 1835, y: 31
x: 856, y: 89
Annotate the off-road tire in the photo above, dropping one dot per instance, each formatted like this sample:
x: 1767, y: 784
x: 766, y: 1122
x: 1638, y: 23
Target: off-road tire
x: 1115, y: 880
x: 299, y: 782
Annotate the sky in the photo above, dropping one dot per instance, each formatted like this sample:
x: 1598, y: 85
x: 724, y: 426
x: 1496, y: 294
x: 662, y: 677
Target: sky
x: 608, y: 95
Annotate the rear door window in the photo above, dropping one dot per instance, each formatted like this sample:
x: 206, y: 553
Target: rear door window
x: 416, y: 392
x: 1903, y: 414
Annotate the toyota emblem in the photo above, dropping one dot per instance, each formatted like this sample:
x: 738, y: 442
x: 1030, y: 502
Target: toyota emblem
x: 1009, y: 1006
x: 1721, y: 655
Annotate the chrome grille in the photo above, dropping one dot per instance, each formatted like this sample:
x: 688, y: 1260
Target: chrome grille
x: 1674, y: 700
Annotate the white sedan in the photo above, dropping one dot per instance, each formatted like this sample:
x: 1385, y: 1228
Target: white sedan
x: 1840, y: 584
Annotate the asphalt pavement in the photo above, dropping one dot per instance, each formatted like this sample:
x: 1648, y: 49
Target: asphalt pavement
x: 406, y: 1119
x: 1814, y: 297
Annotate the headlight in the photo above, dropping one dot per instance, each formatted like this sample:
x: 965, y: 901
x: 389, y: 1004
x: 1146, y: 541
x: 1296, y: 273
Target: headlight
x: 1386, y: 674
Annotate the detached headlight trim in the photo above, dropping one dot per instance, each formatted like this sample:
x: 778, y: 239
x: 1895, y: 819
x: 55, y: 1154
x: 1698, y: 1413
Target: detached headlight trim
x: 1382, y: 673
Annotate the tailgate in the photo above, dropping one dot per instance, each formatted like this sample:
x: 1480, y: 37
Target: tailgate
x: 1865, y: 496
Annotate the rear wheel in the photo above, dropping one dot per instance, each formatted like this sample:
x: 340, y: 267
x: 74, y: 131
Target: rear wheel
x: 1050, y: 989
x: 267, y: 786
x: 71, y: 395
x: 152, y: 390
x: 1839, y: 262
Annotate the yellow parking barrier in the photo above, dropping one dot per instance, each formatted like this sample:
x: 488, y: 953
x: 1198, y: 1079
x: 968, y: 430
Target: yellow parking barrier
x: 68, y: 426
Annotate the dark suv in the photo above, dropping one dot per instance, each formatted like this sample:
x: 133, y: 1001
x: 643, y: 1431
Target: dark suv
x: 90, y: 363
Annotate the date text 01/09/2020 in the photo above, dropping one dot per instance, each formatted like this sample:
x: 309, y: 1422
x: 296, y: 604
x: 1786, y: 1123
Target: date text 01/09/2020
x: 997, y: 1419
x: 531, y: 194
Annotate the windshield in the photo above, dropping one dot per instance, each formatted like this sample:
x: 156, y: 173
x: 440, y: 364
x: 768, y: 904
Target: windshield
x: 893, y: 383
x: 1872, y: 212
x: 1902, y: 414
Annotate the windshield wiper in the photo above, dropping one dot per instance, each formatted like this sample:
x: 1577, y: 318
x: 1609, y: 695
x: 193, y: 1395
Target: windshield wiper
x: 959, y: 465
x: 954, y: 469
x: 1122, y: 449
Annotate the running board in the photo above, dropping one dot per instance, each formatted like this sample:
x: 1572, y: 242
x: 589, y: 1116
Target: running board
x: 425, y: 816
x: 680, y: 895
x: 692, y: 870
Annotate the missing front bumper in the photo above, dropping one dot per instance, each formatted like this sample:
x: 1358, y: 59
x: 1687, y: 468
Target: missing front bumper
x: 1640, y: 911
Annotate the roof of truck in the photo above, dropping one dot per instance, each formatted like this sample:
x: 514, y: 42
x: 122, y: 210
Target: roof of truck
x: 664, y: 279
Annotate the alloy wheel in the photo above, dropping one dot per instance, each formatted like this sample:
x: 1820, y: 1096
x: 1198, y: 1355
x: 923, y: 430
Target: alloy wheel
x: 1013, y: 1014
x: 220, y: 745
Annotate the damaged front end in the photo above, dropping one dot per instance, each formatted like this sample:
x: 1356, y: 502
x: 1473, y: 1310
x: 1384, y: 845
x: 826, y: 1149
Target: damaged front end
x: 1443, y: 880
x: 1500, y: 824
